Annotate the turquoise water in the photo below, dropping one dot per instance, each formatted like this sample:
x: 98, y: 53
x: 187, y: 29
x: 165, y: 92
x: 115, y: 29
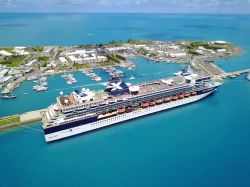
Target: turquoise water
x: 202, y: 144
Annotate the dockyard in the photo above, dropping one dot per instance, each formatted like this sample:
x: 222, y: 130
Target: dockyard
x: 65, y: 61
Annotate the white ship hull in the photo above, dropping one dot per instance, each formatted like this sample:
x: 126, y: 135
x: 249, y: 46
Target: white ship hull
x: 121, y: 118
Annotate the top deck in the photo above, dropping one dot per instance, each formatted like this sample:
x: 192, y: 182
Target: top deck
x: 73, y: 100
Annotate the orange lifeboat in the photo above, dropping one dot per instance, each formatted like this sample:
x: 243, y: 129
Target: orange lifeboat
x: 186, y: 94
x: 121, y: 110
x: 152, y: 103
x: 145, y: 105
x: 174, y: 98
x: 181, y: 96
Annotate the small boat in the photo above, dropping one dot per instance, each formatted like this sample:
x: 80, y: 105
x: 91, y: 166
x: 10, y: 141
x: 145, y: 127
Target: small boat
x: 128, y: 109
x: 145, y: 105
x: 132, y: 78
x: 174, y: 98
x: 181, y: 96
x: 159, y: 101
x: 97, y: 78
x: 152, y: 103
x: 69, y: 82
x: 44, y: 83
x: 35, y: 87
x: 25, y: 93
x: 178, y: 73
x: 121, y: 110
x: 186, y: 94
x: 41, y: 88
x: 8, y: 96
x: 248, y: 76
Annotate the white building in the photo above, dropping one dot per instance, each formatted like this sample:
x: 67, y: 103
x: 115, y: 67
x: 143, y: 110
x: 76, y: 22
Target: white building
x: 219, y: 42
x: 83, y: 56
x: 5, y: 79
x: 63, y: 60
x: 177, y: 55
x: 47, y: 50
x: 21, y: 51
x: 5, y: 53
x: 74, y: 59
x: 30, y: 63
x: 221, y: 50
x: 3, y: 72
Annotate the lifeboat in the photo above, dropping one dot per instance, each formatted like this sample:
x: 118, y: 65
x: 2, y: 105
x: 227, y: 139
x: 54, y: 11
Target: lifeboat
x: 181, y: 96
x: 193, y: 93
x: 186, y: 94
x: 121, y: 110
x: 159, y: 101
x: 145, y: 105
x: 128, y: 109
x: 174, y: 98
x: 152, y: 103
x: 167, y: 99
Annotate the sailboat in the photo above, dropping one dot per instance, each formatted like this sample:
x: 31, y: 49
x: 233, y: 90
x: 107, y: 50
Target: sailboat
x: 132, y: 78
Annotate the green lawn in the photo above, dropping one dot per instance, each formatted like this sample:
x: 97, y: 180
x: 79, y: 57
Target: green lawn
x: 106, y: 63
x: 13, y: 61
x: 5, y: 121
x: 37, y: 49
x: 81, y: 66
x: 9, y: 49
x: 43, y: 58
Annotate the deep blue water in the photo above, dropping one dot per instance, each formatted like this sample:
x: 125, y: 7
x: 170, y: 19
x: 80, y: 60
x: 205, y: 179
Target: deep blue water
x: 201, y: 144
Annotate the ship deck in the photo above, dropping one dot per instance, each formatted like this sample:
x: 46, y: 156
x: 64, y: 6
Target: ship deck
x: 101, y: 96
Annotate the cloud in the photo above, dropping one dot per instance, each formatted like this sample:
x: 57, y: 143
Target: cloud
x: 239, y: 6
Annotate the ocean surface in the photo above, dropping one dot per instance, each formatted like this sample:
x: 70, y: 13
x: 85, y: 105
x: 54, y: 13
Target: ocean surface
x: 202, y: 144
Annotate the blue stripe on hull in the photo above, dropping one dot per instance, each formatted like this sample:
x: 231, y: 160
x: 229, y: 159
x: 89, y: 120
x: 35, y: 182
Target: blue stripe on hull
x: 70, y: 125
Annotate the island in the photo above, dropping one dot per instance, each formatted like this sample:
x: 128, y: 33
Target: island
x: 19, y: 64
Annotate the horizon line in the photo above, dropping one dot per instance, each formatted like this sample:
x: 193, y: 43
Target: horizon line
x: 93, y: 12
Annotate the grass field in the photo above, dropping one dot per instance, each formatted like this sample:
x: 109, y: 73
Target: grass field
x: 13, y: 61
x: 5, y: 121
x: 9, y: 49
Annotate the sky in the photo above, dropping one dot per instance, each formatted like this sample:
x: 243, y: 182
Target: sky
x: 135, y: 6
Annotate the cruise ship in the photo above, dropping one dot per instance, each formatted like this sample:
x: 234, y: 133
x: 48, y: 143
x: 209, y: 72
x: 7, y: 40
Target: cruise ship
x: 86, y: 110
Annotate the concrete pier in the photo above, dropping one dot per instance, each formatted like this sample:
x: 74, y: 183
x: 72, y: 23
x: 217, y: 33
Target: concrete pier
x: 209, y: 68
x: 25, y: 119
x: 234, y: 74
x: 30, y: 117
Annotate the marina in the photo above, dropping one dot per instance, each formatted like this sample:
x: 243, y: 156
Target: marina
x: 42, y: 84
x: 92, y: 75
x: 133, y: 76
x: 70, y: 79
